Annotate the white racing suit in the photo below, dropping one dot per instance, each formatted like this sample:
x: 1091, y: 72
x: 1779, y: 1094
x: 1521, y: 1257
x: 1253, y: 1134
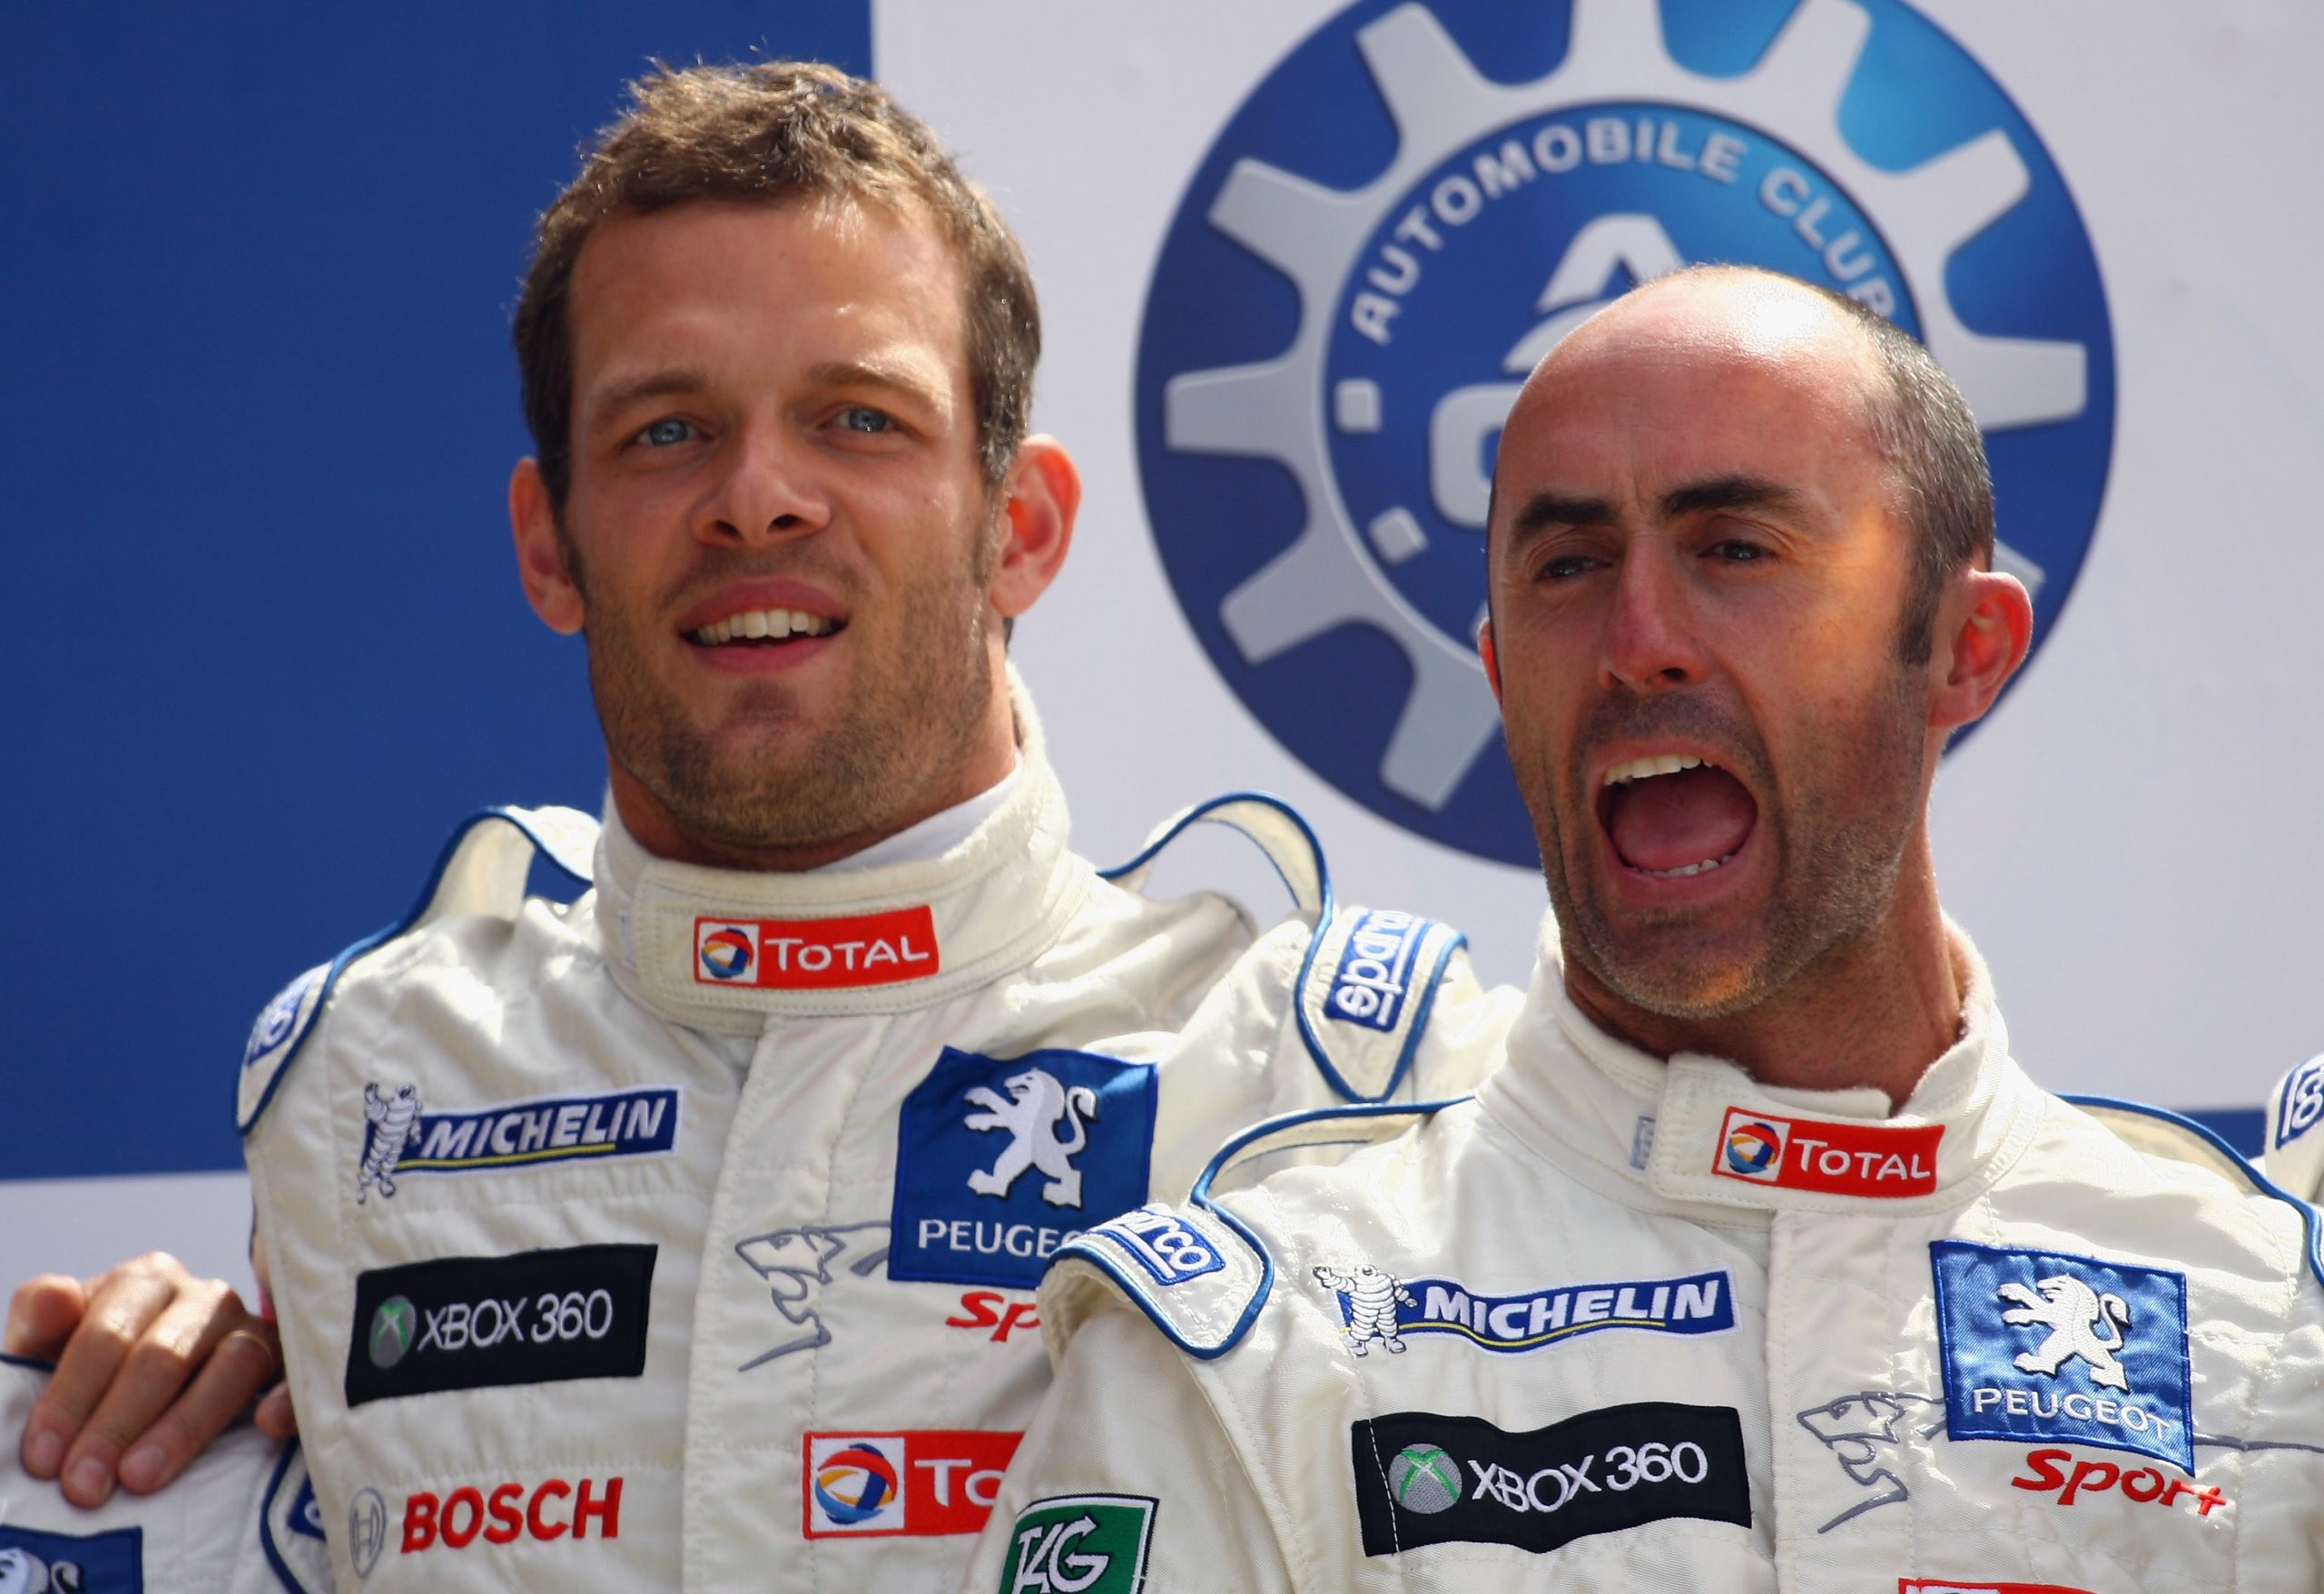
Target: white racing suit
x: 239, y: 1521
x: 687, y: 1236
x: 1619, y: 1324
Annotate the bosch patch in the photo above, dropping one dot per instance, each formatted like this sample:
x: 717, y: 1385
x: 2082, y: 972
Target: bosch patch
x: 1000, y: 1161
x: 2047, y: 1346
x: 1423, y: 1478
x: 485, y: 1322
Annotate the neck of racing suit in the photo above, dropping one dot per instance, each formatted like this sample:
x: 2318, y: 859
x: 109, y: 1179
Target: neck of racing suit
x: 729, y: 950
x: 1695, y: 1132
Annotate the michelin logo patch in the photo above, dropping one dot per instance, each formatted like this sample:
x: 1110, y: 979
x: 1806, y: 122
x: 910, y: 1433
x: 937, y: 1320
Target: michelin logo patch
x: 2044, y: 1345
x: 400, y: 1136
x: 1378, y: 1307
x: 1000, y: 1161
x: 99, y: 1563
x: 2301, y: 1106
x: 1375, y: 969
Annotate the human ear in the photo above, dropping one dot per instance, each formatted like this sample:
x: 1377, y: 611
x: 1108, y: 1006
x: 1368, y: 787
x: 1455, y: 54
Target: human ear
x: 549, y: 585
x: 1492, y: 662
x: 1044, y: 489
x: 1983, y: 627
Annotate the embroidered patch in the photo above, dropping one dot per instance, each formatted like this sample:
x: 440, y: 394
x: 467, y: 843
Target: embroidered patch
x: 1170, y: 1249
x: 2300, y: 1107
x: 1423, y: 1478
x: 279, y: 1020
x: 1080, y: 1544
x: 2041, y: 1345
x: 401, y: 1137
x: 484, y: 1322
x: 1833, y: 1157
x: 101, y: 1563
x: 921, y: 1483
x: 1375, y: 1306
x: 817, y: 954
x: 1000, y: 1161
x: 1374, y: 972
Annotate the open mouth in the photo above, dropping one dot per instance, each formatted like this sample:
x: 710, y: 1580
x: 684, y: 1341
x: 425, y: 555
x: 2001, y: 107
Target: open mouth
x: 1670, y: 816
x: 763, y: 628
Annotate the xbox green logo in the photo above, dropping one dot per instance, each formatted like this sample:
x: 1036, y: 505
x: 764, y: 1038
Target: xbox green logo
x: 393, y: 1326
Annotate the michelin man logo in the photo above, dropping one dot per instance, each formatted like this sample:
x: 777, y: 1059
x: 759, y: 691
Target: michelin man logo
x: 2073, y: 1313
x: 1317, y: 466
x: 392, y: 1127
x: 1036, y: 1105
x: 1368, y: 1301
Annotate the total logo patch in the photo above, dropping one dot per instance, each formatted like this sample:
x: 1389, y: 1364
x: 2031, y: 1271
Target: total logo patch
x: 1946, y: 1586
x: 1379, y: 1308
x: 923, y: 1483
x: 401, y: 1137
x: 553, y: 1509
x: 1000, y: 1161
x: 1829, y: 1156
x: 2047, y: 1346
x: 817, y: 954
x: 1080, y: 1544
x: 1420, y: 201
x: 1424, y: 1479
x: 485, y: 1322
x: 34, y: 1562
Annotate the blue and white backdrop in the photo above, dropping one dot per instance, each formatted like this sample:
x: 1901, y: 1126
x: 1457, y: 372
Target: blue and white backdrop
x: 265, y: 644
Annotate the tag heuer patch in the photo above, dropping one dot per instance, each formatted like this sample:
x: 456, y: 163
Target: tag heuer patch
x: 1079, y: 1544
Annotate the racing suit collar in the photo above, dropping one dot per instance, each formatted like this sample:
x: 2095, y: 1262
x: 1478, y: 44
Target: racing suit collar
x: 1697, y: 1130
x: 731, y: 950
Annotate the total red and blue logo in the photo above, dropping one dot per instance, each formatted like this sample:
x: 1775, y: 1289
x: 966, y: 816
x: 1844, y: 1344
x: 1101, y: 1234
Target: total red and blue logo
x: 854, y: 1484
x: 924, y: 1482
x: 1753, y: 1147
x: 725, y: 950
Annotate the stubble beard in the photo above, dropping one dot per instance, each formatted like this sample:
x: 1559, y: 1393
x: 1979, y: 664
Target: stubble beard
x: 1839, y: 848
x: 911, y: 716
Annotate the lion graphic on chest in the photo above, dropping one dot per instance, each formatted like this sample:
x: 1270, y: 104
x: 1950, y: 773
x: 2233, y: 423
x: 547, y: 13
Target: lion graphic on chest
x: 2073, y: 1313
x: 1035, y: 1106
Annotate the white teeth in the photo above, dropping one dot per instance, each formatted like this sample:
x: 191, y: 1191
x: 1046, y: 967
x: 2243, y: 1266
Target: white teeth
x: 1705, y: 867
x: 1659, y: 763
x: 754, y: 624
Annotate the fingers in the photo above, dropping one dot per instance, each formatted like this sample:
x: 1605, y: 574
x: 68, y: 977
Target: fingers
x: 274, y: 1417
x: 43, y: 1315
x: 146, y: 1326
x: 246, y: 1359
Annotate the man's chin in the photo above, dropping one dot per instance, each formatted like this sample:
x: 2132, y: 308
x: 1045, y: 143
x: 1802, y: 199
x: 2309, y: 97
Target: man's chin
x: 1687, y: 971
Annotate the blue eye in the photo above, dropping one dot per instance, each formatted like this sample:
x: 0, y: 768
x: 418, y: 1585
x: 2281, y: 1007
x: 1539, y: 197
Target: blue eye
x: 1566, y: 568
x: 666, y: 433
x: 1739, y: 553
x: 862, y: 418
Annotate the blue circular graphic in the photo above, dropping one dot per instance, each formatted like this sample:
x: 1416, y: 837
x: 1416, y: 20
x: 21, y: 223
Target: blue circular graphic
x: 1421, y: 198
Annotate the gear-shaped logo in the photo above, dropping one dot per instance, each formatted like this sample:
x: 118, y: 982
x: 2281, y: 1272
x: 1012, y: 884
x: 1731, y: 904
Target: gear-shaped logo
x: 1384, y: 240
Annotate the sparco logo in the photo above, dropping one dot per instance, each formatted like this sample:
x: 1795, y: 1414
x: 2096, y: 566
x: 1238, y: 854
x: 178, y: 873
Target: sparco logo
x: 1316, y: 463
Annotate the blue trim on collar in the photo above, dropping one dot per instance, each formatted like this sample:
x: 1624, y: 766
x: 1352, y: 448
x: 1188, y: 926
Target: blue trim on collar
x: 1207, y: 813
x: 380, y: 938
x: 2309, y: 1217
x: 267, y: 1496
x: 32, y: 1363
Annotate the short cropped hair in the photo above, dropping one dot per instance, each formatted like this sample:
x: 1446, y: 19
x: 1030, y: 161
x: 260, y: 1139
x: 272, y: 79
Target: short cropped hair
x: 1923, y: 429
x: 774, y: 132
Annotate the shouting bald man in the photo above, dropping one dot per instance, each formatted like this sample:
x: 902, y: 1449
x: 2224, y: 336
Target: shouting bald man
x: 1760, y: 1262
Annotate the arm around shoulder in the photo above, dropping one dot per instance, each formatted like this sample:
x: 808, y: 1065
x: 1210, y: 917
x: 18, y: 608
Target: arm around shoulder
x: 1127, y: 1481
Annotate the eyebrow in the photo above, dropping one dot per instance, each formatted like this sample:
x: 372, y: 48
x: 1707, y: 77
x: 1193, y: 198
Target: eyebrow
x: 1727, y: 492
x: 658, y: 384
x: 1547, y: 509
x: 855, y: 373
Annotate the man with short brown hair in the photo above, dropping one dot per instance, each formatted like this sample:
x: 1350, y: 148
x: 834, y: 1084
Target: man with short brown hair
x: 684, y: 1236
x: 1758, y: 1262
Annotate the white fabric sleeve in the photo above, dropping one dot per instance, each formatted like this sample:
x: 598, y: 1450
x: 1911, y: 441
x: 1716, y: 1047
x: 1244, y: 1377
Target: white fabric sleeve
x: 1126, y: 1427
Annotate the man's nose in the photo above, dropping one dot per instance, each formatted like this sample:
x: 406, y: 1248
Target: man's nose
x: 1649, y: 641
x: 767, y: 491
